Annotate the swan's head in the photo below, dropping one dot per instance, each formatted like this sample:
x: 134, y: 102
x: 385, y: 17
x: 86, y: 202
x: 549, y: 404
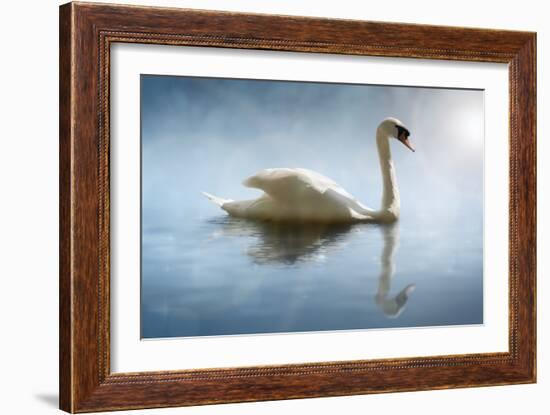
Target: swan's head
x: 392, y: 127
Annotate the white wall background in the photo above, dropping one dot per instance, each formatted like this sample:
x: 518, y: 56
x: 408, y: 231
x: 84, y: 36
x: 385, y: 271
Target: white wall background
x: 29, y: 208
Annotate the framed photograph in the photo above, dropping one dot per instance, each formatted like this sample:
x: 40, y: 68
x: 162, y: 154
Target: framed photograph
x: 258, y: 207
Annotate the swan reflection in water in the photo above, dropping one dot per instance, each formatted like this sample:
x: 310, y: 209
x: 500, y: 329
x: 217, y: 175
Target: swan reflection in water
x: 392, y: 307
x: 290, y: 243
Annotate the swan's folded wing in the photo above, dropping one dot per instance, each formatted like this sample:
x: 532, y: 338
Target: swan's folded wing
x: 287, y: 184
x: 357, y: 210
x: 332, y: 190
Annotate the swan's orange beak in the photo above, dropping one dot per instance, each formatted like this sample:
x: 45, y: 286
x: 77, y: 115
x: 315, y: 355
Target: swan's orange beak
x: 404, y: 138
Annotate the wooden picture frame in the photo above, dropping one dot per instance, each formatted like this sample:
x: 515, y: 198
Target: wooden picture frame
x: 86, y: 33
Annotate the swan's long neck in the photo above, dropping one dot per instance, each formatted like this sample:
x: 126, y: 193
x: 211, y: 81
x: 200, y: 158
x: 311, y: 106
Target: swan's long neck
x: 390, y: 193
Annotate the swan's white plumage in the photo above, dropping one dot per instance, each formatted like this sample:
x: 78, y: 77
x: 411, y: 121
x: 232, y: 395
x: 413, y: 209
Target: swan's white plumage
x: 217, y: 200
x: 297, y: 185
x: 298, y: 194
x: 287, y: 183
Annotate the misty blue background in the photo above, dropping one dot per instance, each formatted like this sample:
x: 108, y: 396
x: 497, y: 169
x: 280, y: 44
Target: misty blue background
x: 204, y: 273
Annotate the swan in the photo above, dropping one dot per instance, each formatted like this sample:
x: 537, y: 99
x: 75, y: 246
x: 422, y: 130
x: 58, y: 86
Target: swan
x: 297, y: 194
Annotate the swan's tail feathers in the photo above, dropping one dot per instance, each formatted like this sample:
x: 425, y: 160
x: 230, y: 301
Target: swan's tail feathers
x: 216, y: 200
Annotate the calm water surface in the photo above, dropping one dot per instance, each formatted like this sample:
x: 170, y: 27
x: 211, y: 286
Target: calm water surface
x: 220, y: 276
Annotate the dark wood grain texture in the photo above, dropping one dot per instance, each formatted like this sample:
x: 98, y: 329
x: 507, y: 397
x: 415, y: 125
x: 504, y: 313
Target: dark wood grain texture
x: 65, y: 246
x: 86, y: 33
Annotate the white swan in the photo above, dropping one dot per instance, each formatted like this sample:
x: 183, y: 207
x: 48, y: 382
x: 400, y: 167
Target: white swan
x: 303, y: 195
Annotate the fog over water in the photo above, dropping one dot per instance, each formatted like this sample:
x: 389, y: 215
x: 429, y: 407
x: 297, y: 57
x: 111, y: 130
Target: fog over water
x: 204, y: 273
